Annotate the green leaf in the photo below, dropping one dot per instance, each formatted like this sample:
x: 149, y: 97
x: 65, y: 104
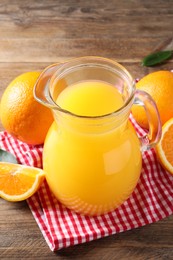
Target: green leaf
x: 156, y: 58
x: 7, y: 157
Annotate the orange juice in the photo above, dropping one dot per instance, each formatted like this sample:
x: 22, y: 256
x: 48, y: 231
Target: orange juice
x: 92, y: 164
x: 90, y: 98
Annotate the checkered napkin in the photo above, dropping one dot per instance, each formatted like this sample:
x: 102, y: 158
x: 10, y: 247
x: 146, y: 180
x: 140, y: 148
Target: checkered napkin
x: 152, y: 200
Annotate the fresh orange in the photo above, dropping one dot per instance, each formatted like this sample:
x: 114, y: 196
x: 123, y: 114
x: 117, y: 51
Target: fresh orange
x: 159, y: 85
x: 19, y: 182
x: 21, y: 115
x: 164, y: 148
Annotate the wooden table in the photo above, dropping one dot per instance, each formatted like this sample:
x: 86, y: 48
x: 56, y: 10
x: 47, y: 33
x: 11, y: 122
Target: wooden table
x: 34, y: 34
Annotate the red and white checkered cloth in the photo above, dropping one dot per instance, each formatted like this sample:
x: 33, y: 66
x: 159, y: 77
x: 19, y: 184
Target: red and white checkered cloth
x: 152, y: 200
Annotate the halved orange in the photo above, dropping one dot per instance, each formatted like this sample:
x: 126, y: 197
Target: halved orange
x: 164, y: 149
x: 19, y: 182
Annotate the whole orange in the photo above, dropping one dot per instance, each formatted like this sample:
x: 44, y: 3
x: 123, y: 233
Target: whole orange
x: 159, y: 85
x: 21, y: 115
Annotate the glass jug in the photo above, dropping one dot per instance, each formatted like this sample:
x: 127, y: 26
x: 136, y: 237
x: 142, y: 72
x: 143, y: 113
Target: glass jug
x: 93, y: 162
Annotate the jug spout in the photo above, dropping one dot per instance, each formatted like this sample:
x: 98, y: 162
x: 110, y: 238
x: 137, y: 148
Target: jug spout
x: 41, y: 89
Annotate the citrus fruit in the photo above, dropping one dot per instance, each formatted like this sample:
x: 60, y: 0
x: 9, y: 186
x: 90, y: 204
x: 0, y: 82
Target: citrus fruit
x: 159, y: 85
x: 164, y: 149
x: 19, y: 182
x: 21, y: 115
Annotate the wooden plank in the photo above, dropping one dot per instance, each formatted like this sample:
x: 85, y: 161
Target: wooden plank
x: 70, y: 19
x: 46, y: 50
x: 87, y: 25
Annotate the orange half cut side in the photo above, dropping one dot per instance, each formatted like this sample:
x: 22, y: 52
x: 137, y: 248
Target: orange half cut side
x: 19, y: 182
x: 164, y: 149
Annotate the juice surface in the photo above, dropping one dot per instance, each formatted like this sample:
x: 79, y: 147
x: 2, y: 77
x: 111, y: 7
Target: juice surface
x: 90, y: 98
x: 91, y: 172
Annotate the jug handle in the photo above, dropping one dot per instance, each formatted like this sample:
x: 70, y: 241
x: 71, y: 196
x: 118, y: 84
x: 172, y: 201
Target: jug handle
x: 155, y: 128
x: 41, y: 88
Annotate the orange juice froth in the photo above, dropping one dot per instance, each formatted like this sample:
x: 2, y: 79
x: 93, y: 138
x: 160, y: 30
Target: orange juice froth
x: 85, y: 176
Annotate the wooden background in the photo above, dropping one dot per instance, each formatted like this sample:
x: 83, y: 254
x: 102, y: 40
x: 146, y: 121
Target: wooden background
x: 34, y: 34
